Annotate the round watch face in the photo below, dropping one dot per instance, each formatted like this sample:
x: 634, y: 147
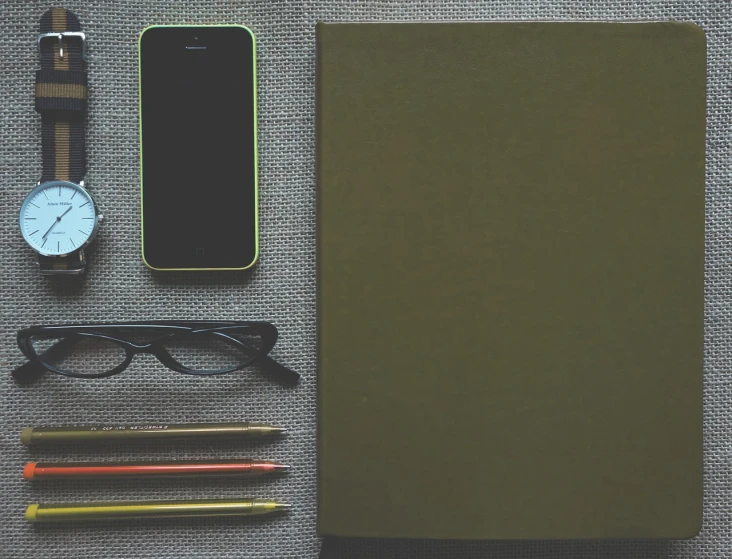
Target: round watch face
x: 57, y: 218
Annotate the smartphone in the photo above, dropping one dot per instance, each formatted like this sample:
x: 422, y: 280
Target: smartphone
x: 198, y: 147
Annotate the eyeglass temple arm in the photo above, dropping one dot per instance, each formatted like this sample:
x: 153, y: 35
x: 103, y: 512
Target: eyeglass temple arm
x: 30, y: 369
x: 279, y: 371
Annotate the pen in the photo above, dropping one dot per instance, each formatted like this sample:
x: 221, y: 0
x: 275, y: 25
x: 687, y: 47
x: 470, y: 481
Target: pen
x: 65, y: 512
x: 111, y: 433
x: 35, y: 470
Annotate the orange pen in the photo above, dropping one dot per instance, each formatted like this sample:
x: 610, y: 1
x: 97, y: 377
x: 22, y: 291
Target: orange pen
x: 36, y: 470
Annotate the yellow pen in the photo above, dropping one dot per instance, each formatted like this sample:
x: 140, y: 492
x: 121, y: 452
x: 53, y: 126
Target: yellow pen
x: 69, y: 512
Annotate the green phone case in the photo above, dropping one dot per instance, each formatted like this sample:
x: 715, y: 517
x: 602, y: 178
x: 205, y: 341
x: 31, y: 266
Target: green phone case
x: 256, y: 155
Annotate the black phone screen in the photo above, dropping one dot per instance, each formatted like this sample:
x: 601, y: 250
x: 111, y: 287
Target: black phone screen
x: 198, y: 153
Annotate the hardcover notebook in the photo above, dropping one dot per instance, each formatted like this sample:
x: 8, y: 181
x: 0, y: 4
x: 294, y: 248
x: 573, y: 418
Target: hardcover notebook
x: 510, y: 279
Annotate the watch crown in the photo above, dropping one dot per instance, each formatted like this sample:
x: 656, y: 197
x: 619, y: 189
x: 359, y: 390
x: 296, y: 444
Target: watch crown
x: 100, y: 218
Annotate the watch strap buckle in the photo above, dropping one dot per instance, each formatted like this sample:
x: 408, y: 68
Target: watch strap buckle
x: 60, y: 36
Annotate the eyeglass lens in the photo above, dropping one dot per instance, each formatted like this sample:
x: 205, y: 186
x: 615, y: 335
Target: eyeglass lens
x: 79, y: 355
x: 214, y: 351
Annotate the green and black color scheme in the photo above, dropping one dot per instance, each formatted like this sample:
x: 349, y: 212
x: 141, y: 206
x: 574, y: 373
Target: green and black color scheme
x: 247, y: 172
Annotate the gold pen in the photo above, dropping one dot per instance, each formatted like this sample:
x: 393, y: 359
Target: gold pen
x: 69, y: 512
x: 111, y: 433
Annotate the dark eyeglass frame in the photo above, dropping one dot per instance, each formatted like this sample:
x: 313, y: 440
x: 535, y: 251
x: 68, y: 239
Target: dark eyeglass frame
x: 169, y: 330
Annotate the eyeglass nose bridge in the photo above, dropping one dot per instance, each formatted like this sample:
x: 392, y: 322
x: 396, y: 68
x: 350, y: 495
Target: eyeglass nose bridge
x: 135, y: 349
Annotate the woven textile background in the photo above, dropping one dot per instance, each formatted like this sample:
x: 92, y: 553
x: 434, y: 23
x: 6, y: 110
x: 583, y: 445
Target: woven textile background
x: 281, y: 288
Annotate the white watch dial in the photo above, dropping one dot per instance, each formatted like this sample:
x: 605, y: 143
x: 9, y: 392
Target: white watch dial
x: 57, y: 217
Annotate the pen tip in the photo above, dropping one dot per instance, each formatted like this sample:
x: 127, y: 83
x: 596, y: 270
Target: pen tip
x: 264, y: 429
x: 281, y: 467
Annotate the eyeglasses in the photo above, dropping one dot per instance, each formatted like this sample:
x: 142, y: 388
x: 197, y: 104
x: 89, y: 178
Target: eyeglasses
x: 192, y: 348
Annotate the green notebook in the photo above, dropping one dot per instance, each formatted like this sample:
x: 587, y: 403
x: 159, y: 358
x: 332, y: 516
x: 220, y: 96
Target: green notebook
x: 510, y: 279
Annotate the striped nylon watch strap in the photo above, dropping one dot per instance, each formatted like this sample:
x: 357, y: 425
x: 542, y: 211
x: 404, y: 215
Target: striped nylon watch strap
x: 61, y: 93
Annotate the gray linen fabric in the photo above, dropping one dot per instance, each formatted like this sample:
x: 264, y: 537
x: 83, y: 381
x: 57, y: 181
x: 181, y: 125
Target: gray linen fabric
x: 281, y: 289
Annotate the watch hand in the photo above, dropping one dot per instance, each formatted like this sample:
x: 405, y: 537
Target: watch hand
x: 49, y: 229
x: 55, y: 222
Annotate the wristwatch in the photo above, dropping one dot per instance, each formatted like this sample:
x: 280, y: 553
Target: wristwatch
x: 59, y: 218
